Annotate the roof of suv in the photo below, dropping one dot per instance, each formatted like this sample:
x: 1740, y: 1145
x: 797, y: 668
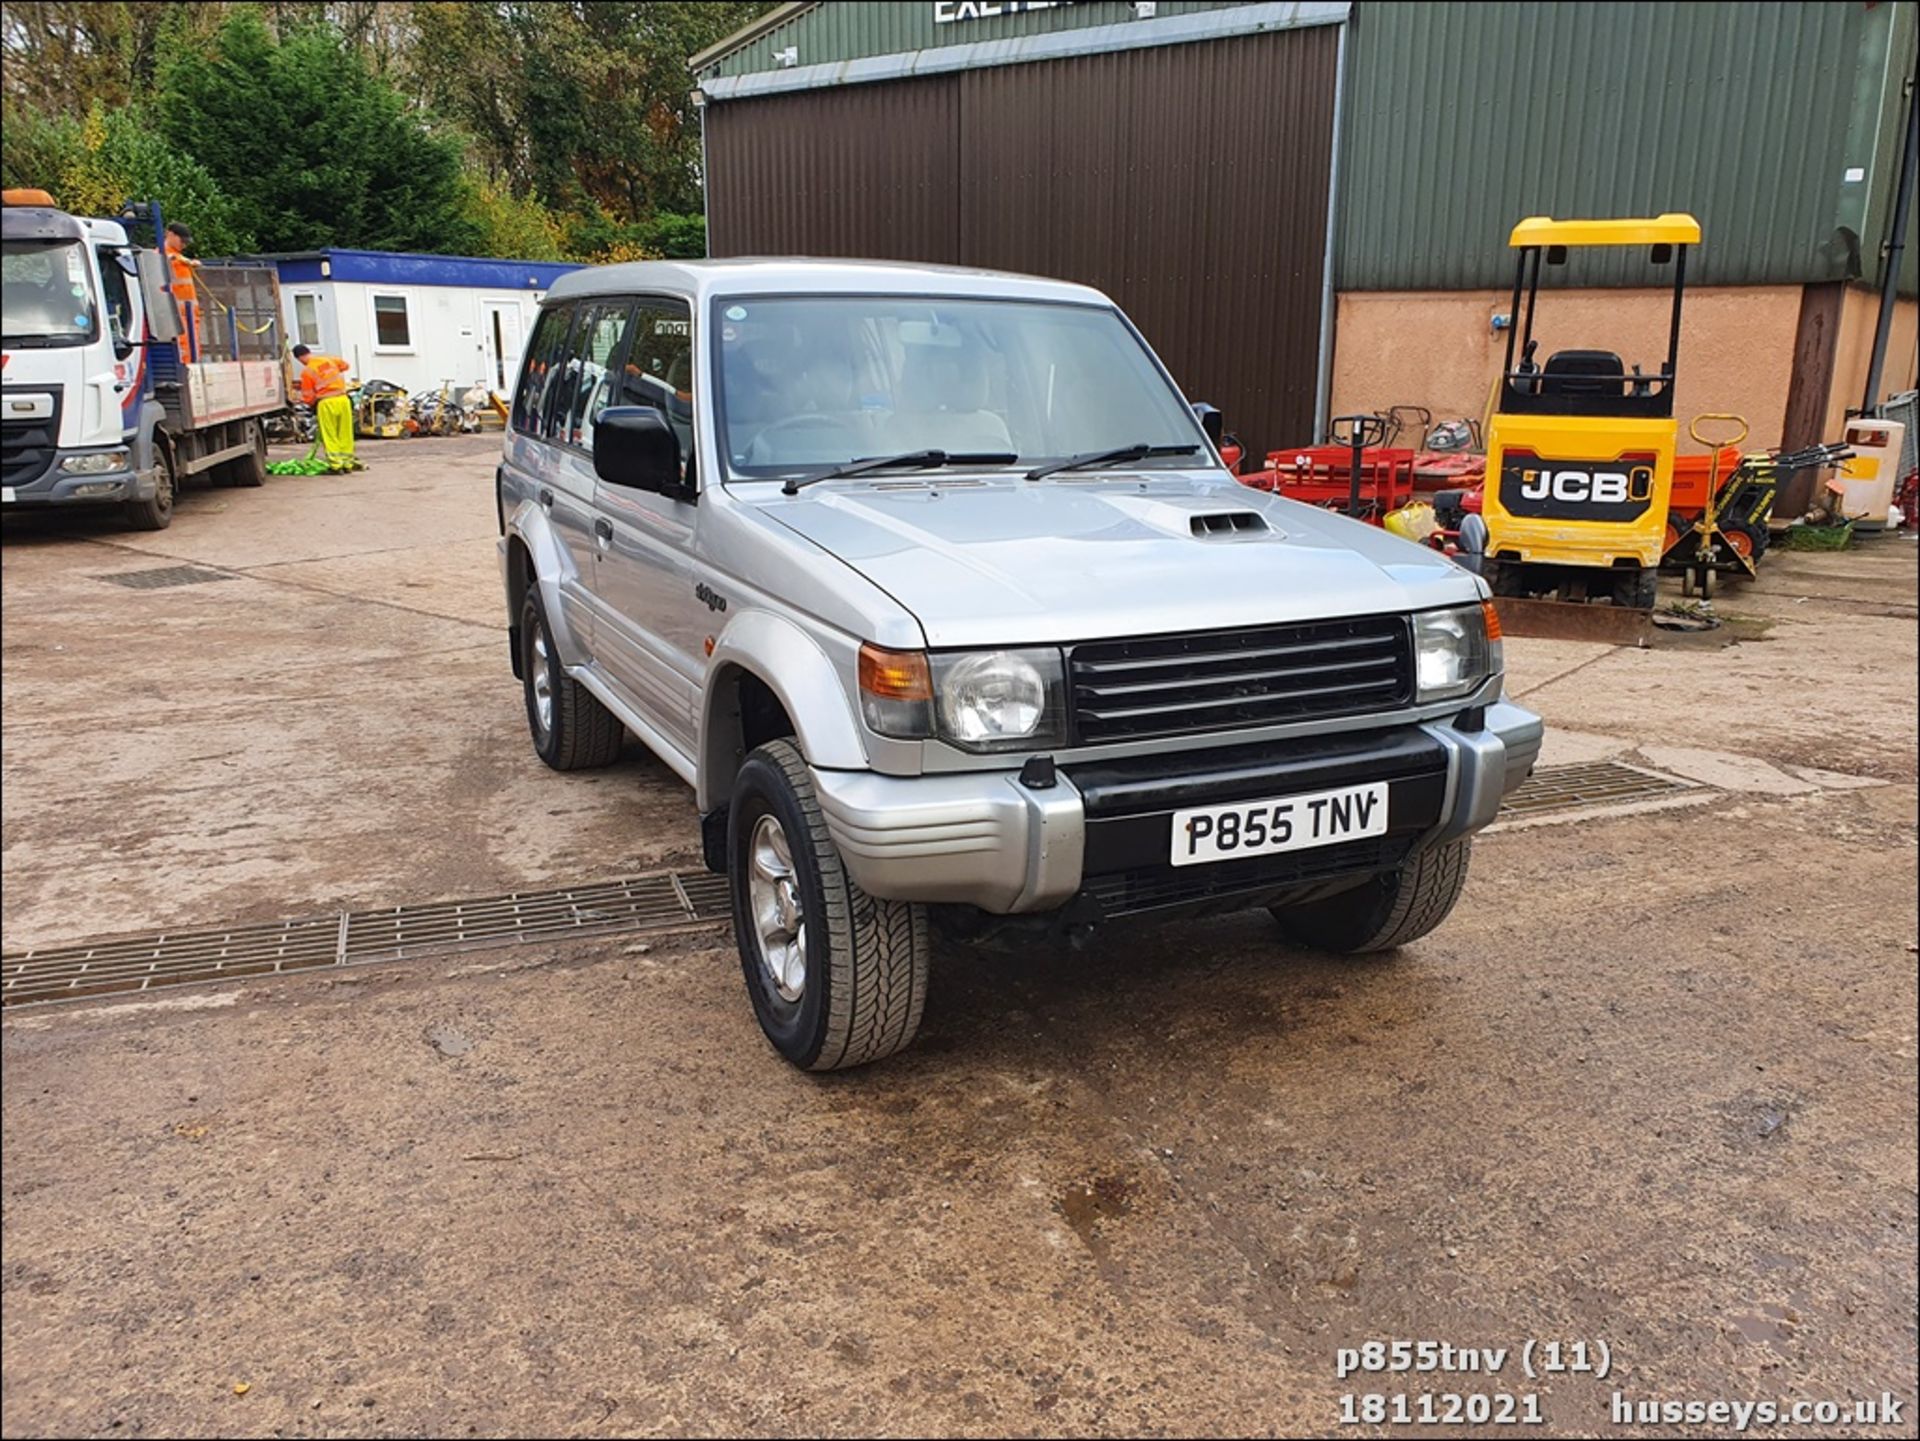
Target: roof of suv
x: 700, y: 279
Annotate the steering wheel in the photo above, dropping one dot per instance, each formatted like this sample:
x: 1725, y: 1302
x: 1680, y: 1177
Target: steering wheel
x: 796, y: 423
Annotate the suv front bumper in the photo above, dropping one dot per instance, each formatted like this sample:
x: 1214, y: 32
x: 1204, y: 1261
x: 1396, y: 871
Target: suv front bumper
x: 1102, y: 831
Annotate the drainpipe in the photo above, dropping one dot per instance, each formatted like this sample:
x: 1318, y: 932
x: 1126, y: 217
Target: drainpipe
x: 1323, y: 383
x: 706, y: 175
x: 1896, y: 242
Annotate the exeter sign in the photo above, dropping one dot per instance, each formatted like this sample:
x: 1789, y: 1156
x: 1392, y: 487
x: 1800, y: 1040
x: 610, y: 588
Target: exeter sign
x: 946, y: 12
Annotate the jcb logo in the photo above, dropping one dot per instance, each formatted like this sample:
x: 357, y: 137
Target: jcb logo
x: 1536, y: 487
x: 1602, y: 487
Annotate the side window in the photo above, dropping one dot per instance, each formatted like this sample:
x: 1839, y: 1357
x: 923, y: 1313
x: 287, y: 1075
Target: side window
x: 392, y: 323
x: 597, y: 345
x: 544, y: 356
x: 306, y: 318
x: 113, y: 286
x: 659, y: 368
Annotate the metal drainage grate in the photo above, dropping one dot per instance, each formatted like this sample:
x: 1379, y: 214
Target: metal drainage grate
x: 164, y: 576
x: 1589, y: 783
x: 178, y: 958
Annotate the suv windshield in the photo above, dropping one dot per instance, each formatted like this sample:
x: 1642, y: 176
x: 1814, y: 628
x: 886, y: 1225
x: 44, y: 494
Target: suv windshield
x: 821, y: 381
x: 46, y: 294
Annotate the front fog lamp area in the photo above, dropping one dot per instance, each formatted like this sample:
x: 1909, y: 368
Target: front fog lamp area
x: 1455, y: 650
x: 977, y: 700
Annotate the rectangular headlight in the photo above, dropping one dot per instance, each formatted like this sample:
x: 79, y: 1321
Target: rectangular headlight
x: 1000, y: 700
x: 983, y: 700
x: 1453, y: 650
x: 100, y: 462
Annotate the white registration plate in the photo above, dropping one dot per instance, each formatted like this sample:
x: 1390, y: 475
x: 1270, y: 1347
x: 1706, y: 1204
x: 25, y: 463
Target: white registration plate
x: 6, y: 495
x: 1287, y: 823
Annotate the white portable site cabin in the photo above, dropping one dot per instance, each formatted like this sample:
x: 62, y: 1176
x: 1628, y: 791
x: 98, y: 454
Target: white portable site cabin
x: 418, y: 321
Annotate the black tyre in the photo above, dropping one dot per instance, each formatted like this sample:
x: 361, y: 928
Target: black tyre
x: 1637, y: 589
x: 157, y: 512
x: 571, y: 730
x: 1386, y: 911
x: 248, y: 470
x: 838, y: 977
x: 1506, y: 578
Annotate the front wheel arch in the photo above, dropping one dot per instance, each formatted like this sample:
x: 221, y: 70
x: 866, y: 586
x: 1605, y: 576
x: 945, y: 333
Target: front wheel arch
x: 799, y: 677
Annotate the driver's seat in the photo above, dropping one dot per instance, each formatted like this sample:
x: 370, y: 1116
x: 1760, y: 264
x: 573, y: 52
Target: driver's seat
x: 1583, y: 372
x: 941, y: 403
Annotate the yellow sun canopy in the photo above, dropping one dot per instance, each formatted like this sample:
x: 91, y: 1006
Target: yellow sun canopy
x: 1660, y: 230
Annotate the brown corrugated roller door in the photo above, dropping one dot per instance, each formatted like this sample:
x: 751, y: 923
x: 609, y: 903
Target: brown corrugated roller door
x: 1189, y: 182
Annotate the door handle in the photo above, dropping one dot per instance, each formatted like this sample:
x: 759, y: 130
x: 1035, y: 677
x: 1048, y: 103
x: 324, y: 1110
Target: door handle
x: 603, y: 529
x: 546, y: 498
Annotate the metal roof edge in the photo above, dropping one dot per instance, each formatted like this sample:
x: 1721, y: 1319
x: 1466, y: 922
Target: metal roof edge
x: 1015, y: 50
x: 402, y: 267
x: 748, y: 33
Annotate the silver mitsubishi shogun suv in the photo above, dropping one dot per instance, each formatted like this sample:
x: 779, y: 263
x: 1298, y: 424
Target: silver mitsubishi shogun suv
x: 933, y: 588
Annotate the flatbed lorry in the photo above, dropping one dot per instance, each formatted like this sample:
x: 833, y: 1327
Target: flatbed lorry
x: 99, y: 405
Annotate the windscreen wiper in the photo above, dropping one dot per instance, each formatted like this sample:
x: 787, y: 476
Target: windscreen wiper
x: 1139, y: 451
x: 911, y: 460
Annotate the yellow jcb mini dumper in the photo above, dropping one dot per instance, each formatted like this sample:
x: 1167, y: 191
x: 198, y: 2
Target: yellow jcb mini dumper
x: 1579, y: 449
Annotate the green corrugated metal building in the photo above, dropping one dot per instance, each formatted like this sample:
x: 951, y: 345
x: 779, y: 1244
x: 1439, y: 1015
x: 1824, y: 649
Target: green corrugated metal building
x: 1779, y: 126
x: 1776, y: 125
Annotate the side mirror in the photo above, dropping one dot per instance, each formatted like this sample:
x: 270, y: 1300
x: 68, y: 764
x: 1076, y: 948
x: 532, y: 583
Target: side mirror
x: 634, y: 446
x: 1556, y: 255
x: 1661, y: 254
x: 1211, y: 421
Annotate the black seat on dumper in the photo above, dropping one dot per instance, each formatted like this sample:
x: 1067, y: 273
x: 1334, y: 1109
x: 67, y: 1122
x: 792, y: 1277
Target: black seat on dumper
x: 1583, y: 372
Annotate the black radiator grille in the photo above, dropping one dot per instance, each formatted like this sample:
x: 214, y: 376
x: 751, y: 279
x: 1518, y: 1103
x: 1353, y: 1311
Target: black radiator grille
x: 27, y: 447
x: 1230, y: 680
x: 1154, y: 887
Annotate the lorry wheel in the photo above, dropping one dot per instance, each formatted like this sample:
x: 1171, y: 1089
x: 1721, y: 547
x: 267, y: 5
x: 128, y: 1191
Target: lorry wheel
x: 1637, y: 590
x: 571, y: 730
x: 838, y: 977
x: 250, y: 469
x: 1387, y: 910
x: 156, y: 513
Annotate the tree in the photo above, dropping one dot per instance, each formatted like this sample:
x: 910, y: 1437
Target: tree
x: 120, y: 157
x: 317, y: 150
x: 64, y: 55
x: 502, y: 127
x: 511, y: 225
x: 586, y: 104
x: 36, y: 147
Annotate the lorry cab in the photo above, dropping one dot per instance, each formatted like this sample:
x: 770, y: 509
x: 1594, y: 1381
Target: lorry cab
x: 96, y: 407
x: 74, y: 380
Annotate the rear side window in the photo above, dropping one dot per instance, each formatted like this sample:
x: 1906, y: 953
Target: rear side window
x: 545, y: 356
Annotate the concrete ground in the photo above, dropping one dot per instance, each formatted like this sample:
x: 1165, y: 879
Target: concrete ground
x: 1653, y: 1085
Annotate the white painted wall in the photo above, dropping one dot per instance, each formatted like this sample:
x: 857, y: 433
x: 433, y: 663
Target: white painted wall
x: 448, y: 331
